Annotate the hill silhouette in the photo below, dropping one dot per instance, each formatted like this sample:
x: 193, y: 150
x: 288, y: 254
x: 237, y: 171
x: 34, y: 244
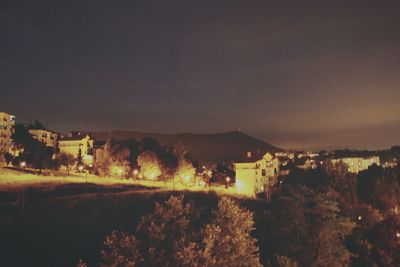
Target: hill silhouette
x: 206, y: 148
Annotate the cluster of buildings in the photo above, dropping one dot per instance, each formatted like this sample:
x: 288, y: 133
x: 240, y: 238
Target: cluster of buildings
x: 257, y: 174
x: 74, y: 143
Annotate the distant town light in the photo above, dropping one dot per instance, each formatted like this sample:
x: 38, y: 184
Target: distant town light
x: 398, y: 234
x: 22, y: 164
x: 228, y: 179
x: 359, y: 218
x: 135, y: 172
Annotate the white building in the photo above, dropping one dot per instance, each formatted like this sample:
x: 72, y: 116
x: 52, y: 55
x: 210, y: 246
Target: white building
x: 258, y: 176
x: 49, y: 138
x: 7, y: 128
x: 75, y: 143
x: 357, y: 164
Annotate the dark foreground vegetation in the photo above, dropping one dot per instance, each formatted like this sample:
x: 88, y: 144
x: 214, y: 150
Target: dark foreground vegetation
x: 324, y: 217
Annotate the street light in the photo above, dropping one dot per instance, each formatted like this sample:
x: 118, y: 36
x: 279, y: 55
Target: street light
x: 22, y: 164
x: 227, y: 179
x: 80, y: 168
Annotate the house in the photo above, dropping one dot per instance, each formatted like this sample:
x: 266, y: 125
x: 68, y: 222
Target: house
x: 306, y: 163
x: 49, y: 138
x: 256, y: 176
x: 77, y: 143
x: 357, y: 164
x: 7, y: 128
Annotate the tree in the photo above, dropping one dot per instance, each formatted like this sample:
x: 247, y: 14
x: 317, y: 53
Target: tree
x: 307, y: 227
x: 79, y: 158
x: 166, y: 232
x: 177, y: 234
x: 8, y: 157
x: 66, y: 160
x: 120, y: 250
x: 149, y: 165
x: 220, y: 172
x: 3, y: 161
x: 226, y: 240
x: 185, y: 171
x: 286, y: 262
x: 36, y: 125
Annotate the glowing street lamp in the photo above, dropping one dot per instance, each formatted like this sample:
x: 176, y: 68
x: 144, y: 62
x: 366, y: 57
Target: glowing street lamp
x: 135, y: 172
x: 359, y: 218
x: 227, y: 179
x: 398, y: 235
x: 80, y: 168
x: 22, y: 164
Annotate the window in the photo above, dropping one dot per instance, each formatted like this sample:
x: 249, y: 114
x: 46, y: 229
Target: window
x: 264, y: 172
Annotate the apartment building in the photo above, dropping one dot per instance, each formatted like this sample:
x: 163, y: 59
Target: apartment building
x: 76, y: 143
x: 357, y: 164
x: 7, y: 127
x: 49, y: 138
x: 254, y: 177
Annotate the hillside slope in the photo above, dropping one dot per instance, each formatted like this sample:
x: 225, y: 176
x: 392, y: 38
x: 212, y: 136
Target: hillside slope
x: 206, y: 148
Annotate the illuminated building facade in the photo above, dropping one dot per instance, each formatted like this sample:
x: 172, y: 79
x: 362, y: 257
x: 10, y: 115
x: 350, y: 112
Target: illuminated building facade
x: 76, y: 143
x: 47, y: 137
x: 357, y: 164
x: 7, y: 127
x: 254, y: 177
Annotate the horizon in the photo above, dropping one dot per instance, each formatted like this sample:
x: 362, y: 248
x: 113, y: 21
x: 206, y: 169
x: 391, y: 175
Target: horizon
x: 309, y: 148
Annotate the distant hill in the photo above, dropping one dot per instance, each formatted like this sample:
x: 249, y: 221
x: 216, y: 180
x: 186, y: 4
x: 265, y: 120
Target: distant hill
x: 206, y: 148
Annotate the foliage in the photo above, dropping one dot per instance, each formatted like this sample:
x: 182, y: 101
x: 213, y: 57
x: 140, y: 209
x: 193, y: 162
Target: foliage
x: 185, y: 170
x: 81, y: 263
x: 150, y: 165
x: 128, y: 155
x: 120, y: 250
x: 226, y: 240
x: 167, y: 232
x: 176, y: 235
x: 35, y: 153
x: 66, y: 160
x: 220, y: 172
x: 286, y: 262
x: 36, y: 125
x: 307, y: 227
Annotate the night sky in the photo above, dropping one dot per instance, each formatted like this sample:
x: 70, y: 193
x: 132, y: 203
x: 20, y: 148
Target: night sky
x: 325, y: 74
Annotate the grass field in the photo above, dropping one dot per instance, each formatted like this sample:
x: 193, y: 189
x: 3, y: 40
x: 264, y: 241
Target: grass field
x: 54, y: 221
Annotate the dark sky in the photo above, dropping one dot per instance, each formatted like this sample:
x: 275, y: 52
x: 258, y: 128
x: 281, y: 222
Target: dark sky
x: 297, y: 74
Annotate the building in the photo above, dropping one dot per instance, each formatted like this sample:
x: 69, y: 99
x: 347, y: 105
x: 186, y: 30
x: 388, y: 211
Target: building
x: 7, y: 127
x: 49, y: 138
x: 254, y: 177
x: 357, y: 164
x: 76, y: 143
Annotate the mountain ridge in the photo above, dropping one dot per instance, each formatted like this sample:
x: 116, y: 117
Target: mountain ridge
x: 204, y: 147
